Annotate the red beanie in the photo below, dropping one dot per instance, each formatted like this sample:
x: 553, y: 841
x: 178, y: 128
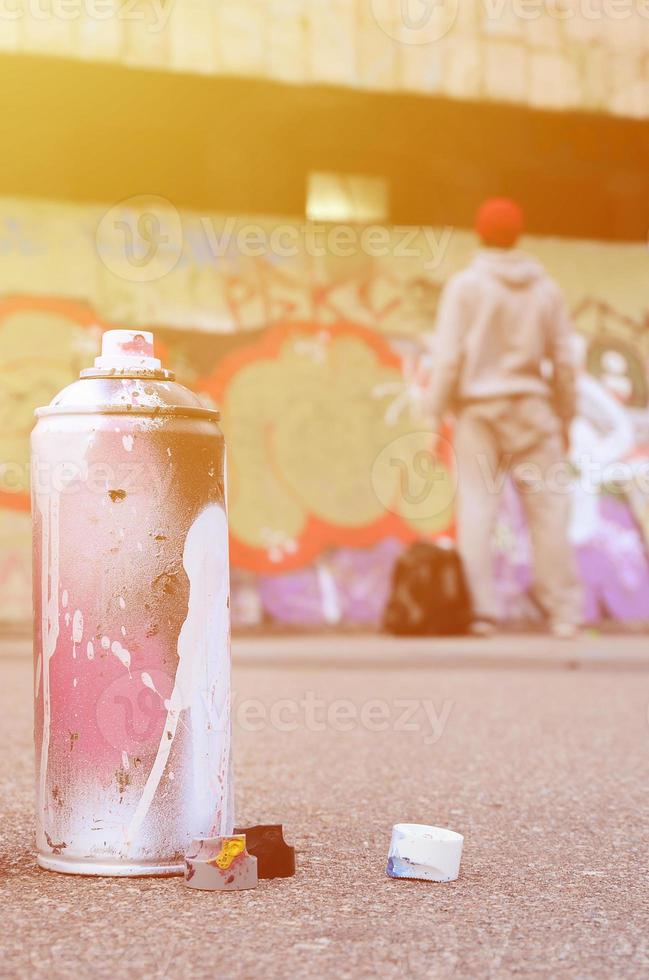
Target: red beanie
x: 500, y: 222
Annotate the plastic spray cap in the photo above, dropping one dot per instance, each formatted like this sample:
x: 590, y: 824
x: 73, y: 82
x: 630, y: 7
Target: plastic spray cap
x: 426, y: 853
x: 123, y: 350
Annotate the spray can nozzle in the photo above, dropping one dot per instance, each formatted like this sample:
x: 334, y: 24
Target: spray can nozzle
x: 127, y: 350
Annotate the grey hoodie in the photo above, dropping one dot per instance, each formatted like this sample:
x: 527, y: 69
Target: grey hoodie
x: 503, y: 330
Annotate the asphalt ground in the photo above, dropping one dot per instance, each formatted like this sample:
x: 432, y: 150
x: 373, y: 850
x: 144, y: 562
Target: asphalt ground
x: 542, y: 764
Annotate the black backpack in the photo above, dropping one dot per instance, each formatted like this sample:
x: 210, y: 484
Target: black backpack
x: 430, y: 595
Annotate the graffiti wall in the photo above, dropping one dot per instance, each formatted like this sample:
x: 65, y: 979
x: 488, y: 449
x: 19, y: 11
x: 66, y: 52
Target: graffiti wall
x: 318, y: 362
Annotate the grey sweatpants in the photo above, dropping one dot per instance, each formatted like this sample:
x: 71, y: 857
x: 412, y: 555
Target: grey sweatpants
x: 522, y: 437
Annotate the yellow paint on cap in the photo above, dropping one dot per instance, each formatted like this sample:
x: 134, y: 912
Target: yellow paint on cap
x: 231, y: 849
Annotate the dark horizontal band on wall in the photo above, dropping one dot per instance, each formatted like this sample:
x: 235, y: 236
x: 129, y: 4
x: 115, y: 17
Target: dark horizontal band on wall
x: 84, y: 131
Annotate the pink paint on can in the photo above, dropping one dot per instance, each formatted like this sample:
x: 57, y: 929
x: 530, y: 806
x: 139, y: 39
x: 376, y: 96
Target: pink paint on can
x: 131, y: 619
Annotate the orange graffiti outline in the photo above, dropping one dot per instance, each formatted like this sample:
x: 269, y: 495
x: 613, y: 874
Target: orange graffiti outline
x: 317, y: 534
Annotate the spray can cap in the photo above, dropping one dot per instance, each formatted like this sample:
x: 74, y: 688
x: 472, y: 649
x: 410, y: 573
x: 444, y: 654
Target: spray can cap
x: 127, y: 349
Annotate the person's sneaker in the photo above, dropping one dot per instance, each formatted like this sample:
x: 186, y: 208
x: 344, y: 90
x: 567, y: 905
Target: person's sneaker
x: 482, y: 628
x: 565, y: 631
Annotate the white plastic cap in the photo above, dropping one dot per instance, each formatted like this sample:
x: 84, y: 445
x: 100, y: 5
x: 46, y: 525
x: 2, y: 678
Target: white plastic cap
x: 127, y: 349
x: 427, y: 853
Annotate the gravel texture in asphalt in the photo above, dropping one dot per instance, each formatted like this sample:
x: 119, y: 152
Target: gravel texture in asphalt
x: 545, y: 772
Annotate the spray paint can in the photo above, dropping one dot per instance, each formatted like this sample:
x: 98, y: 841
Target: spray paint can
x: 131, y: 619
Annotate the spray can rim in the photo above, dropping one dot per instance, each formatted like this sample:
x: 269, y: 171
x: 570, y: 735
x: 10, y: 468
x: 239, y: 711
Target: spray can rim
x: 178, y: 411
x: 153, y: 374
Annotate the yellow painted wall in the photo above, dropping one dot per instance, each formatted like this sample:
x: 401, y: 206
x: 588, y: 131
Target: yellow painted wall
x: 589, y: 54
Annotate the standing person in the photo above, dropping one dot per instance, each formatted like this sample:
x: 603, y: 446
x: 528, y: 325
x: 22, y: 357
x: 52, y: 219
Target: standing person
x: 504, y: 365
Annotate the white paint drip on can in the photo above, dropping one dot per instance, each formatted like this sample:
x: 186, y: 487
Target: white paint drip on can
x: 77, y: 631
x: 148, y: 681
x: 77, y: 626
x: 122, y: 654
x: 49, y: 508
x: 37, y: 678
x: 202, y: 671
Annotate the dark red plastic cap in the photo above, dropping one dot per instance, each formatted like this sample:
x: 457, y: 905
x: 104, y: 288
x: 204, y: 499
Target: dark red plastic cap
x: 275, y: 858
